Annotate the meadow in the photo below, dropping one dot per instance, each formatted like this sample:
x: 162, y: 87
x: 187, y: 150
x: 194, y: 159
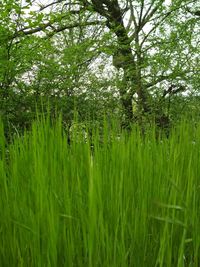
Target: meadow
x: 132, y: 201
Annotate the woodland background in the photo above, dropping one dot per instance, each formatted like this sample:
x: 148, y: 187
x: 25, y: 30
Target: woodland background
x: 137, y: 61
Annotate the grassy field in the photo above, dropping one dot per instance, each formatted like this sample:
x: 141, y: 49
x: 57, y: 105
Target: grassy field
x: 130, y: 201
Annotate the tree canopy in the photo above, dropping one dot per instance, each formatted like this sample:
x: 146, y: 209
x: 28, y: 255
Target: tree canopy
x: 125, y: 58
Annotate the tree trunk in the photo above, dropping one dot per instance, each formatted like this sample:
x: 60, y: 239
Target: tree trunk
x: 123, y: 58
x: 126, y: 100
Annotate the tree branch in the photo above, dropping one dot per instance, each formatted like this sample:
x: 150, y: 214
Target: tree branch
x: 195, y: 13
x: 158, y: 80
x: 149, y: 14
x: 132, y: 15
x: 172, y: 90
x: 55, y: 30
x: 156, y: 26
x: 42, y: 7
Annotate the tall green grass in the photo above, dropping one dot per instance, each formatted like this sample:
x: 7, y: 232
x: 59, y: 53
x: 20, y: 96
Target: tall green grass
x: 129, y: 201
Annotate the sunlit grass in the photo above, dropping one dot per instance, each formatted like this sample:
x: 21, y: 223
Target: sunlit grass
x: 129, y: 201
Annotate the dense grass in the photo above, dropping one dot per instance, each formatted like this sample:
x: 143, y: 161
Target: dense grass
x: 133, y: 201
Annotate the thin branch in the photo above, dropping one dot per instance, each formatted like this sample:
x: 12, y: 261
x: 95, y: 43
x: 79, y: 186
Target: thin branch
x: 141, y: 13
x: 132, y: 14
x: 195, y: 13
x: 55, y: 30
x: 150, y: 15
x: 172, y: 90
x: 147, y: 12
x: 42, y: 7
x: 156, y: 26
x: 161, y: 21
x: 75, y: 25
x: 158, y: 80
x: 163, y: 77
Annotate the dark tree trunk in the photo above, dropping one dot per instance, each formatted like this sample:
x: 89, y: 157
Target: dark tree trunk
x: 123, y: 57
x: 127, y: 105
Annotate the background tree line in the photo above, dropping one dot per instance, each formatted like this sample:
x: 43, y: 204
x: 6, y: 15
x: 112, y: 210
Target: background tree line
x: 133, y: 60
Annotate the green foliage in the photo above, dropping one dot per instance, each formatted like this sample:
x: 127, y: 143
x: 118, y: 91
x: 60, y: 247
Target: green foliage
x: 130, y: 201
x: 75, y: 56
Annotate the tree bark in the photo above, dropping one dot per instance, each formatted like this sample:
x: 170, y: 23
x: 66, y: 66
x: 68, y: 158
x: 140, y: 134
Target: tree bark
x: 114, y: 21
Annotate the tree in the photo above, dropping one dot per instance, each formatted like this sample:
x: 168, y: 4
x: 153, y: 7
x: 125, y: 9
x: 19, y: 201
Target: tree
x: 52, y: 72
x: 153, y: 44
